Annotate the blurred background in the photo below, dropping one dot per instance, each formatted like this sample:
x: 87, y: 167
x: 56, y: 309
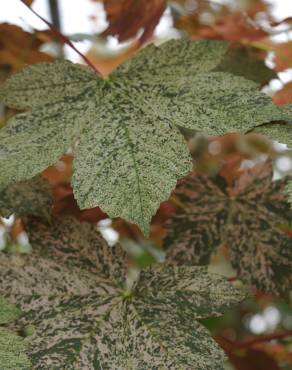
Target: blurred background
x: 256, y: 335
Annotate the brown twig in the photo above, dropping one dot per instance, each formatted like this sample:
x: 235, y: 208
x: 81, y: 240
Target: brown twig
x: 262, y: 339
x: 64, y: 39
x: 230, y: 346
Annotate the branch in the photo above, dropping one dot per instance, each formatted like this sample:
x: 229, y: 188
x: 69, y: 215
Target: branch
x: 262, y: 339
x: 230, y: 346
x: 63, y: 38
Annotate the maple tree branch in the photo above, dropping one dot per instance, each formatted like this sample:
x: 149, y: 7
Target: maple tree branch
x: 64, y: 39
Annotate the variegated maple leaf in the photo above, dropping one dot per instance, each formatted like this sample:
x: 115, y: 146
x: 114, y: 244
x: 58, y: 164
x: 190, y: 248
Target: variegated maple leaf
x: 71, y: 291
x: 12, y: 346
x: 245, y: 217
x: 130, y: 152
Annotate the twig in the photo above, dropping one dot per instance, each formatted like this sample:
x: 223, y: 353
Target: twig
x: 230, y: 346
x: 262, y: 339
x: 63, y: 38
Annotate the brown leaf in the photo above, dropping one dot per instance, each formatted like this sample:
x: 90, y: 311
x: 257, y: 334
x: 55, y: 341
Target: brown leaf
x: 253, y: 359
x: 18, y: 47
x: 284, y: 96
x: 127, y: 17
x: 230, y: 26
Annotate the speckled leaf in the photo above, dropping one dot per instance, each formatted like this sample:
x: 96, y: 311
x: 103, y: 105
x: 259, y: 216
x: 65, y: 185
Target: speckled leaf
x: 137, y: 167
x: 63, y: 259
x: 175, y: 58
x: 130, y: 153
x: 214, y: 103
x: 70, y: 290
x: 12, y: 346
x: 32, y: 197
x: 47, y: 83
x: 245, y: 216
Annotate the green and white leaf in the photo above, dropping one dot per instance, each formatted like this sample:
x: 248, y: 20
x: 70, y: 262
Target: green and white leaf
x: 130, y: 153
x: 245, y: 217
x: 12, y: 346
x: 32, y: 197
x: 84, y: 319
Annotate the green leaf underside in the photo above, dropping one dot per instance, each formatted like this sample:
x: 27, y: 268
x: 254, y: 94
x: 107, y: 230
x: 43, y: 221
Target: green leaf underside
x: 12, y: 346
x: 81, y: 319
x: 243, y: 62
x: 12, y: 351
x: 32, y: 197
x: 246, y: 218
x: 130, y: 153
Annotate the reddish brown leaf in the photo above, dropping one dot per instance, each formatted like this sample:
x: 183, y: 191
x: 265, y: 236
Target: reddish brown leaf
x: 127, y: 17
x: 18, y: 47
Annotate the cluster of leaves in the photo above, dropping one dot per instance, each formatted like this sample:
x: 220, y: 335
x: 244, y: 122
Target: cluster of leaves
x: 125, y: 132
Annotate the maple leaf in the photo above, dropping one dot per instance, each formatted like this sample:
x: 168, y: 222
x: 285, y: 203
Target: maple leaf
x: 245, y: 217
x: 12, y: 346
x: 70, y: 289
x: 32, y: 197
x: 127, y: 17
x: 18, y: 47
x: 130, y: 152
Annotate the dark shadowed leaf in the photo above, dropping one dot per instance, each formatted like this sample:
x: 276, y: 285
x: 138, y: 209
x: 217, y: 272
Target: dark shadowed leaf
x: 32, y: 197
x: 245, y: 216
x: 243, y: 62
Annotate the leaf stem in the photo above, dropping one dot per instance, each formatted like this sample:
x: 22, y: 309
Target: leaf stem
x: 63, y: 38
